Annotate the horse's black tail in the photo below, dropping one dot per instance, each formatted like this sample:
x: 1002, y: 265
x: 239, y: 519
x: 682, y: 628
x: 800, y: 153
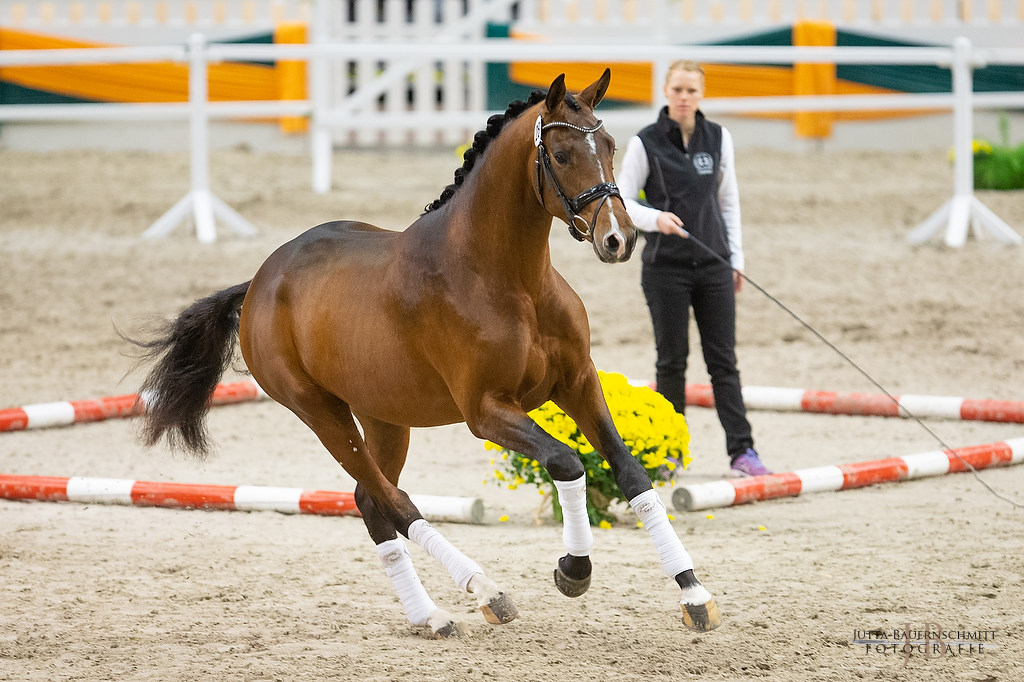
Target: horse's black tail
x: 191, y: 354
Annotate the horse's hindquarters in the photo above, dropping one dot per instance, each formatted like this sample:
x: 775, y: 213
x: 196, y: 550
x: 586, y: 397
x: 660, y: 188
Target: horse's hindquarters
x: 324, y: 310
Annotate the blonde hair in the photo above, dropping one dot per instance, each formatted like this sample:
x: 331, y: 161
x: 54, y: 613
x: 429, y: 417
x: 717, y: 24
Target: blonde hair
x: 684, y: 65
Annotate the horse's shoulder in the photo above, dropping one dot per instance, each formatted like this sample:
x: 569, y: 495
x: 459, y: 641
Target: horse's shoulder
x: 563, y: 290
x: 562, y: 305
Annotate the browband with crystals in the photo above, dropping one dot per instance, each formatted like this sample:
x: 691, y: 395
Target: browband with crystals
x: 540, y: 127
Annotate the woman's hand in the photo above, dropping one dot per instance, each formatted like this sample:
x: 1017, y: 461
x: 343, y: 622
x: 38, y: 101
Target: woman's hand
x: 670, y: 223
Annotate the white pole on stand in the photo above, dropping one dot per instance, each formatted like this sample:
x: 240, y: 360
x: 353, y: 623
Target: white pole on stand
x: 200, y: 202
x: 321, y: 137
x: 964, y: 210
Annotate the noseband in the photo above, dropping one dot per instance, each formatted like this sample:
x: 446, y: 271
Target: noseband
x: 572, y: 207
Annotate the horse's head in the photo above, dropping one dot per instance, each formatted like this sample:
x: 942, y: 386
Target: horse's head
x: 574, y: 170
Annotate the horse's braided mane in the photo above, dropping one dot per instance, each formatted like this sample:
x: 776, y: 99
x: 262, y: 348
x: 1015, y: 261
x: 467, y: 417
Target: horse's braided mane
x: 495, y: 124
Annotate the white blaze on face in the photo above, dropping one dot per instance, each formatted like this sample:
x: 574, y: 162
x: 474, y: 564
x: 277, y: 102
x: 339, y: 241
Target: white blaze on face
x: 611, y: 215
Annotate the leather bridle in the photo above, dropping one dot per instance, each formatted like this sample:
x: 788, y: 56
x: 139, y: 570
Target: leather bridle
x: 573, y: 206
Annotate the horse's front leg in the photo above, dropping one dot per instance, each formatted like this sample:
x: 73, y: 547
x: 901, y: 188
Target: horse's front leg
x: 509, y: 426
x: 586, y: 405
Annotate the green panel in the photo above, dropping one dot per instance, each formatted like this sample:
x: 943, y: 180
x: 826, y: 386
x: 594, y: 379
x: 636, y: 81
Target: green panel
x: 257, y: 39
x: 899, y: 77
x: 919, y: 78
x: 780, y: 38
x: 16, y: 94
x: 904, y: 78
x: 500, y: 88
x: 998, y: 78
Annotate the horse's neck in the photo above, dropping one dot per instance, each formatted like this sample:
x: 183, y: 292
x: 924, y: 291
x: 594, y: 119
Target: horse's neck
x: 497, y: 218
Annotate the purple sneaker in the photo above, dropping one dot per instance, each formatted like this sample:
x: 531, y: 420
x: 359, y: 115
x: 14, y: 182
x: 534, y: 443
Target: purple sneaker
x: 748, y: 464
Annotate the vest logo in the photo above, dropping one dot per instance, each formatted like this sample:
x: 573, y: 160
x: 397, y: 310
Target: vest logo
x: 703, y: 162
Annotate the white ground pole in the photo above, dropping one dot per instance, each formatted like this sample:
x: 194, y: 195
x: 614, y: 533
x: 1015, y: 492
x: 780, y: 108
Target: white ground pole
x: 200, y: 203
x: 964, y: 209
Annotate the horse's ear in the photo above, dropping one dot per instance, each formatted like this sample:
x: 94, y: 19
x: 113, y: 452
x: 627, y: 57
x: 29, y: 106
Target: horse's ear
x: 556, y: 93
x: 594, y: 93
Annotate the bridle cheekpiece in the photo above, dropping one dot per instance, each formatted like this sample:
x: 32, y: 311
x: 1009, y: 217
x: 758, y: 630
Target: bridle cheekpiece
x: 572, y: 206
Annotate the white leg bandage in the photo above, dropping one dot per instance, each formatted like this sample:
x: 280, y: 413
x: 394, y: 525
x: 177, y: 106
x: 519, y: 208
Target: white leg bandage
x: 576, y: 533
x: 398, y: 565
x: 651, y: 511
x: 459, y: 566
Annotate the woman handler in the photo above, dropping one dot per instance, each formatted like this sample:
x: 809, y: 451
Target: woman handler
x: 684, y: 165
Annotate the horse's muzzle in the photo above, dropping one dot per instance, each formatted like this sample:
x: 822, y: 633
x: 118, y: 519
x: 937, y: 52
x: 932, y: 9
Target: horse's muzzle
x: 614, y: 234
x: 616, y: 244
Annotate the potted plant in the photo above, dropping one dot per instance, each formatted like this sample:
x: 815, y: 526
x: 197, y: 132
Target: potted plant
x: 998, y: 166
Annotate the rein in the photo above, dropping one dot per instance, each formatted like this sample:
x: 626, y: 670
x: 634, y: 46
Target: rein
x: 579, y: 228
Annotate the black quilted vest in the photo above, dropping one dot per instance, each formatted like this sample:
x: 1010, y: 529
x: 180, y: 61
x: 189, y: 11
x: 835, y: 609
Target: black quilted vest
x: 684, y: 180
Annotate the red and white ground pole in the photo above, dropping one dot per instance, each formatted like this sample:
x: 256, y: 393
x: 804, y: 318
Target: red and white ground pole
x: 220, y: 497
x: 730, y: 492
x: 865, y: 404
x: 68, y: 412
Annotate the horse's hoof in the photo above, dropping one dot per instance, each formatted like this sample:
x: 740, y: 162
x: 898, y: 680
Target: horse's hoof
x: 701, y: 617
x: 497, y: 607
x: 444, y: 626
x: 450, y: 630
x: 499, y: 610
x: 700, y: 612
x: 572, y: 577
x: 570, y: 587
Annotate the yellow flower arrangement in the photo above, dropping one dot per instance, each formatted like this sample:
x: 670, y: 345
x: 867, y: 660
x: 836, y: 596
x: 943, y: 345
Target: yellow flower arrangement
x: 654, y: 432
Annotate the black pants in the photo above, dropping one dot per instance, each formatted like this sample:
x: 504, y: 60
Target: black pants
x: 671, y: 290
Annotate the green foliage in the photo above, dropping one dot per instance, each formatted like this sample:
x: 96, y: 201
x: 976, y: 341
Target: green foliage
x: 998, y: 167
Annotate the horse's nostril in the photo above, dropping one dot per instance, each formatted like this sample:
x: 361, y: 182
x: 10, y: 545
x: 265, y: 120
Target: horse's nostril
x: 612, y: 243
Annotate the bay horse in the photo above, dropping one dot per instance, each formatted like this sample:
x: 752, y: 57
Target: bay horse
x: 459, y: 317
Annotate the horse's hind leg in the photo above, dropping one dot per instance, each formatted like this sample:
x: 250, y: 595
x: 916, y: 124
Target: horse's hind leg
x: 388, y: 445
x: 419, y: 608
x: 388, y: 510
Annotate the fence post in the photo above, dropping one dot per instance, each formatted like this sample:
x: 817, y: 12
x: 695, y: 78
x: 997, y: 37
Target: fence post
x: 200, y: 201
x: 964, y: 210
x: 321, y: 139
x: 199, y: 138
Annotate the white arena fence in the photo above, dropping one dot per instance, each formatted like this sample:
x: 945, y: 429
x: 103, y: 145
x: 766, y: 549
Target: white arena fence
x: 47, y: 14
x: 674, y: 15
x: 334, y: 113
x: 654, y: 19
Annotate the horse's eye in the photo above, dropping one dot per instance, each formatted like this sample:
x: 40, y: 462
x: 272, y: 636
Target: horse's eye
x: 561, y: 157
